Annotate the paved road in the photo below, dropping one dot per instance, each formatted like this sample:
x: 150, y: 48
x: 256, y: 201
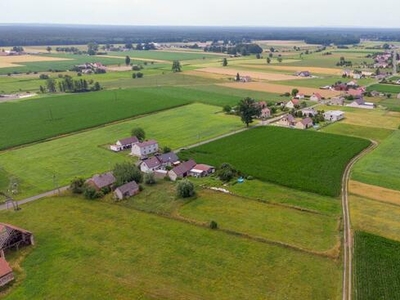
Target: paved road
x: 347, y: 235
x: 33, y: 198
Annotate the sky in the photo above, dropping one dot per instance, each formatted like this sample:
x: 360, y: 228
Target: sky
x: 276, y: 13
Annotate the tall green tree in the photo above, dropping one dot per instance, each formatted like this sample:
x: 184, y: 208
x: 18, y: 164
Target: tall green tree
x: 126, y: 172
x: 127, y: 60
x: 48, y: 49
x: 224, y: 62
x: 176, y: 66
x: 248, y: 110
x: 51, y: 85
x: 268, y: 60
x: 139, y: 133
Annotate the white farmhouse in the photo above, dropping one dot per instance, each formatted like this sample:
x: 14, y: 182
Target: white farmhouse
x: 145, y: 148
x: 333, y: 115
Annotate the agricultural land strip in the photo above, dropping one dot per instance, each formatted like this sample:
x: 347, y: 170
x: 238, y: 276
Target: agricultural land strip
x: 318, y: 167
x: 20, y: 60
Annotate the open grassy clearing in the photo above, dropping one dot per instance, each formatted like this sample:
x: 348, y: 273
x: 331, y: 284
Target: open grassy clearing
x: 277, y: 194
x: 376, y: 134
x: 301, y: 229
x: 147, y: 257
x: 375, y: 216
x: 319, y: 82
x: 50, y: 116
x: 377, y: 118
x: 299, y: 159
x: 20, y: 60
x: 277, y: 88
x: 382, y: 166
x: 377, y: 267
x: 86, y: 153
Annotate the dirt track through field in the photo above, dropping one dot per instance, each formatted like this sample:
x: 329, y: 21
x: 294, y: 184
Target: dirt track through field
x: 374, y: 192
x: 277, y: 88
x: 252, y: 74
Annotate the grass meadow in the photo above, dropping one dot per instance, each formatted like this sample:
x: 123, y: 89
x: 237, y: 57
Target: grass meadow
x: 47, y: 117
x: 109, y: 251
x: 305, y: 160
x: 376, y: 134
x: 382, y: 166
x: 290, y: 226
x: 166, y: 55
x: 376, y: 267
x: 86, y: 153
x: 385, y: 88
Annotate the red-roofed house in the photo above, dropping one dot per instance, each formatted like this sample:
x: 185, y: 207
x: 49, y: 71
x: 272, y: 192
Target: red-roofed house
x: 265, y: 113
x: 299, y: 96
x: 287, y: 120
x: 304, y: 124
x: 150, y: 165
x: 292, y: 103
x: 145, y: 148
x: 316, y: 97
x: 124, y: 144
x: 6, y: 273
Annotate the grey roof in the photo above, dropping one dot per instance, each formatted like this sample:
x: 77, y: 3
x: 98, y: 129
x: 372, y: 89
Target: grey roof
x: 306, y: 121
x: 169, y: 157
x: 360, y: 101
x: 103, y: 180
x: 147, y: 143
x: 152, y: 162
x: 184, y: 167
x: 129, y: 140
x: 128, y: 188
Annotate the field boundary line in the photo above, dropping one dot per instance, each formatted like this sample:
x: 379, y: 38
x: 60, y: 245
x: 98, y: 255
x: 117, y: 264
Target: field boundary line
x: 347, y: 234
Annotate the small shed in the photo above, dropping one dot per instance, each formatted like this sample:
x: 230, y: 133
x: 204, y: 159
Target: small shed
x: 127, y: 190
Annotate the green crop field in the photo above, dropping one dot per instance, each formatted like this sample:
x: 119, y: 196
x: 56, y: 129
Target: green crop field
x: 86, y: 153
x: 392, y: 104
x: 51, y: 116
x: 305, y: 160
x: 301, y: 229
x: 166, y: 55
x: 385, y: 88
x: 376, y: 134
x: 382, y: 166
x: 108, y: 251
x: 377, y: 267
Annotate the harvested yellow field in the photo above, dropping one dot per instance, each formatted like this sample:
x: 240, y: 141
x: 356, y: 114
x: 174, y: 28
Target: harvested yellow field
x: 277, y: 88
x: 254, y: 75
x: 375, y: 217
x: 313, y: 70
x: 18, y: 60
x: 207, y: 75
x: 374, y: 192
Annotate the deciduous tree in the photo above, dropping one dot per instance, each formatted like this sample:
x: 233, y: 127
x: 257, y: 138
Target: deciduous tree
x: 176, y: 66
x: 139, y: 133
x: 248, y: 109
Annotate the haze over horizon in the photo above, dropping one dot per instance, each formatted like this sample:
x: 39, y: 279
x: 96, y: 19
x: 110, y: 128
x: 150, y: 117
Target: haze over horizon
x: 286, y: 13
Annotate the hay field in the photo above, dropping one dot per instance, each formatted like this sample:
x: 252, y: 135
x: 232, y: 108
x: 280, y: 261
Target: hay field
x: 318, y: 70
x: 19, y: 60
x: 278, y: 88
x: 135, y: 58
x: 374, y: 192
x: 252, y: 74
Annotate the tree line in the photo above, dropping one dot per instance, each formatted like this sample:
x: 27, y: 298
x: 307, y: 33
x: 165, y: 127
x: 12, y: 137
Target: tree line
x: 69, y: 85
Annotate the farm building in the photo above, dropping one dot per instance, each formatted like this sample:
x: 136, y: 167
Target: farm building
x: 182, y: 170
x: 287, y: 120
x: 145, y: 148
x: 336, y: 101
x: 300, y: 96
x: 360, y: 103
x: 333, y: 115
x: 357, y: 94
x: 150, y: 164
x: 303, y: 74
x: 316, y: 97
x: 304, y: 124
x: 265, y: 113
x: 13, y: 237
x: 292, y: 103
x: 168, y: 159
x: 6, y: 273
x: 308, y: 112
x: 124, y: 144
x: 201, y: 170
x: 127, y: 190
x: 102, y: 180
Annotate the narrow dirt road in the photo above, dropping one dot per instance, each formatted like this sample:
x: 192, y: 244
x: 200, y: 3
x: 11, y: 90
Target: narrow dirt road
x: 347, y: 234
